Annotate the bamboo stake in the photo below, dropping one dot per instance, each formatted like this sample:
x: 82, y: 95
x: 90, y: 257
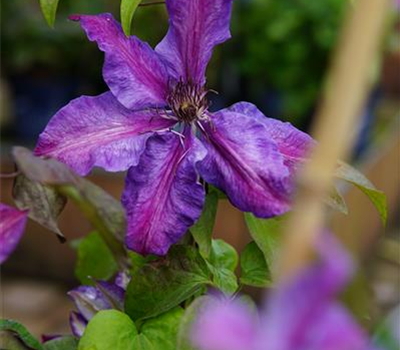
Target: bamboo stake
x: 334, y: 129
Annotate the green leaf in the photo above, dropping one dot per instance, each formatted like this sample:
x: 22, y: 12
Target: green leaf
x: 225, y: 280
x: 358, y: 298
x: 353, y: 176
x: 127, y: 10
x: 222, y: 263
x: 49, y: 9
x: 203, y: 229
x: 267, y: 234
x: 103, y: 211
x: 336, y: 201
x: 220, y: 194
x: 64, y: 343
x: 386, y: 339
x: 138, y: 261
x: 109, y: 329
x: 254, y: 269
x: 15, y: 333
x: 160, y: 332
x: 386, y: 335
x: 44, y: 171
x: 186, y: 324
x: 45, y: 204
x: 105, y: 214
x: 9, y: 341
x: 163, y: 284
x: 112, y: 329
x: 95, y: 260
x: 223, y: 255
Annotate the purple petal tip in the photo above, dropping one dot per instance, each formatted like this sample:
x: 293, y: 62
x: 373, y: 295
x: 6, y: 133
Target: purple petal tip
x: 12, y: 225
x: 75, y: 18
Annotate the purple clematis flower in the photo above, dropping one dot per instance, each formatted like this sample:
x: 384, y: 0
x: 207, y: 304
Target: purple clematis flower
x: 155, y: 121
x: 12, y: 225
x: 300, y: 315
x: 91, y: 299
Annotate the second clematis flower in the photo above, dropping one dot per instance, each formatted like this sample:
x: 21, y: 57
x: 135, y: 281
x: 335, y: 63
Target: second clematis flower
x: 300, y: 314
x: 12, y: 226
x: 155, y: 121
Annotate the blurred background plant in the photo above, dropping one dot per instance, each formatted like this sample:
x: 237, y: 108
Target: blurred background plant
x: 286, y: 49
x: 276, y: 58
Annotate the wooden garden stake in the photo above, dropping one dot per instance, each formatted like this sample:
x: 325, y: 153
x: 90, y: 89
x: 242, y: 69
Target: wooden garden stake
x: 334, y: 129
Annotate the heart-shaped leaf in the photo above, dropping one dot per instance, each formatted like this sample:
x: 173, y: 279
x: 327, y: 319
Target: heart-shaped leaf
x: 267, y: 234
x: 160, y: 332
x: 112, y: 329
x: 222, y: 263
x: 163, y: 284
x: 109, y: 329
x: 254, y: 268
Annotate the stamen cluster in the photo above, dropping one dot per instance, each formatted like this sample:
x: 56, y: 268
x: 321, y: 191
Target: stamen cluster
x: 188, y: 101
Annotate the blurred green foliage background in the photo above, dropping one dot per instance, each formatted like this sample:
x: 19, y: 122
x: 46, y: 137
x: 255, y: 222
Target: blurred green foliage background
x: 276, y: 58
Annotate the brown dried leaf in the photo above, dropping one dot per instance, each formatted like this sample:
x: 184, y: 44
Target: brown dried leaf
x: 45, y: 204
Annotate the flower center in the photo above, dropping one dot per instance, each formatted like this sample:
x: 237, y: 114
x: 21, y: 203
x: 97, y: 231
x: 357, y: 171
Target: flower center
x: 188, y: 101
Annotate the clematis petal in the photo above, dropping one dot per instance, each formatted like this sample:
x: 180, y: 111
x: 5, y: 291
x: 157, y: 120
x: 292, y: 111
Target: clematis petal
x: 301, y: 313
x: 162, y: 195
x: 196, y: 26
x: 89, y: 300
x: 98, y: 131
x: 335, y: 329
x: 77, y: 324
x: 293, y: 144
x: 12, y: 225
x: 228, y: 325
x: 113, y: 293
x: 133, y: 71
x: 245, y: 163
x: 122, y: 280
x: 314, y: 318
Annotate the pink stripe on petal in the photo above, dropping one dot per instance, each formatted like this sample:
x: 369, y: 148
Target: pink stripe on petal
x: 98, y: 131
x: 246, y: 164
x: 12, y: 225
x: 293, y: 144
x: 162, y: 195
